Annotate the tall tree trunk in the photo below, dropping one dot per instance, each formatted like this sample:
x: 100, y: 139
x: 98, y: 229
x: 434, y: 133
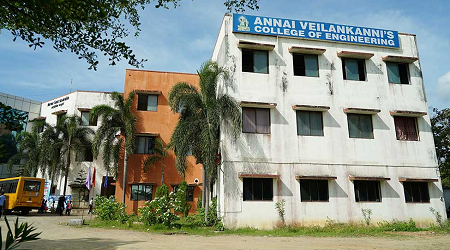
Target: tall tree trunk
x: 162, y: 172
x: 66, y: 174
x: 206, y: 193
x: 125, y: 171
x: 35, y: 172
x: 204, y: 180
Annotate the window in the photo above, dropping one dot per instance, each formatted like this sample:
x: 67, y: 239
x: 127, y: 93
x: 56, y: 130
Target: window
x: 360, y: 126
x: 406, y: 128
x: 180, y: 107
x: 9, y: 186
x: 88, y: 156
x: 141, y: 192
x: 398, y: 73
x: 32, y: 186
x: 59, y: 117
x: 190, y: 192
x: 258, y: 189
x: 416, y: 192
x: 305, y: 65
x: 85, y: 121
x: 367, y: 191
x: 145, y: 144
x: 256, y: 120
x: 309, y: 123
x: 354, y: 69
x: 40, y: 129
x: 147, y: 102
x: 256, y: 61
x: 314, y: 190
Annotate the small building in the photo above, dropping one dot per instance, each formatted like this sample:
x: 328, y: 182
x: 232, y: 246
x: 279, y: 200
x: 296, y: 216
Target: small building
x: 334, y: 120
x: 155, y: 119
x: 79, y: 103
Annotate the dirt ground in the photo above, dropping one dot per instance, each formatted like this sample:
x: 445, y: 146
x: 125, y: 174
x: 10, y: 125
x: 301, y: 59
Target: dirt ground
x: 55, y: 235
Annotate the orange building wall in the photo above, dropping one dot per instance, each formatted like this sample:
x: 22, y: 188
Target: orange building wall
x: 161, y: 122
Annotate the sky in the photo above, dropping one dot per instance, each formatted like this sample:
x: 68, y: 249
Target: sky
x: 182, y: 39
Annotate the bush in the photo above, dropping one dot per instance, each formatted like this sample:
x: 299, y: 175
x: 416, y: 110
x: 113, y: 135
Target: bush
x: 159, y: 210
x: 180, y: 199
x: 401, y: 226
x: 110, y: 209
x: 162, y: 191
x: 198, y: 219
x: 279, y: 206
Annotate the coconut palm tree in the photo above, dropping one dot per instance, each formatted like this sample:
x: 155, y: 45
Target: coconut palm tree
x: 159, y: 155
x: 73, y: 140
x: 29, y: 149
x: 198, y: 129
x: 51, y: 160
x: 116, y: 133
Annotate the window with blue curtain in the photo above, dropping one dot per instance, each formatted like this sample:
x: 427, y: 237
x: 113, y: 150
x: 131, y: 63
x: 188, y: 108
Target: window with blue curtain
x: 397, y: 73
x: 256, y: 61
x: 354, y: 69
x: 305, y: 65
x: 360, y: 126
x: 147, y: 102
x: 309, y: 123
x: 260, y: 61
x: 145, y: 144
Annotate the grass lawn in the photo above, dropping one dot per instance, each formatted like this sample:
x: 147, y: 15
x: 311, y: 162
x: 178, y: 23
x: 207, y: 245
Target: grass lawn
x: 331, y: 230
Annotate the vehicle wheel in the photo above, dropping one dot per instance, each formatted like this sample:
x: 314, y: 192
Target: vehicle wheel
x: 25, y: 211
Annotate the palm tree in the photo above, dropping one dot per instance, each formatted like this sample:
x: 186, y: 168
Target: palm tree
x: 199, y: 124
x: 116, y: 133
x: 51, y: 160
x: 74, y: 139
x: 159, y: 155
x: 29, y: 149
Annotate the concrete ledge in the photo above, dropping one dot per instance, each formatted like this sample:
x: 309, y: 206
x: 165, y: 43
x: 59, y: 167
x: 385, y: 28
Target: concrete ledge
x: 75, y: 222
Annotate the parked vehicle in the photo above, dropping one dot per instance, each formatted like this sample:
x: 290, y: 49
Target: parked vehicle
x: 22, y: 193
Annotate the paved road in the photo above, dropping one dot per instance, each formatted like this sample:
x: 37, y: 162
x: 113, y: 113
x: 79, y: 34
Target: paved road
x: 55, y: 235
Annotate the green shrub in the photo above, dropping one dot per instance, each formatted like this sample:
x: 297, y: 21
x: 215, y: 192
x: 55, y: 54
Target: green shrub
x: 110, y: 209
x: 198, y: 219
x: 159, y: 211
x: 162, y: 191
x: 279, y: 206
x: 180, y: 199
x: 396, y: 225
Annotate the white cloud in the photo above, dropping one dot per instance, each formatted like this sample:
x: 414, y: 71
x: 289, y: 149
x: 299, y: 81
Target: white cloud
x: 443, y: 86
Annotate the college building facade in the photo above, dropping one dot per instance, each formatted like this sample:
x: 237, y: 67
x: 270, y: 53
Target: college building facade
x: 334, y: 120
x: 155, y: 119
x: 330, y: 128
x: 79, y: 103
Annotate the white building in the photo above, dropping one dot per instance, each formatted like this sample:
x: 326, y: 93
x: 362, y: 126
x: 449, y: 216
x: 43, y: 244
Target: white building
x: 329, y: 127
x: 78, y: 103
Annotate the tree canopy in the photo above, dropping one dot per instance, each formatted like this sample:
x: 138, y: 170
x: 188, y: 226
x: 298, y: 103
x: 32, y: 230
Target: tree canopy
x: 440, y: 123
x: 203, y: 113
x: 86, y: 27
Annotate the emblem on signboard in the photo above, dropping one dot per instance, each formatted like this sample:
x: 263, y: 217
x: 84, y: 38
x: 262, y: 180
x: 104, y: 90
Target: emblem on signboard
x: 243, y: 24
